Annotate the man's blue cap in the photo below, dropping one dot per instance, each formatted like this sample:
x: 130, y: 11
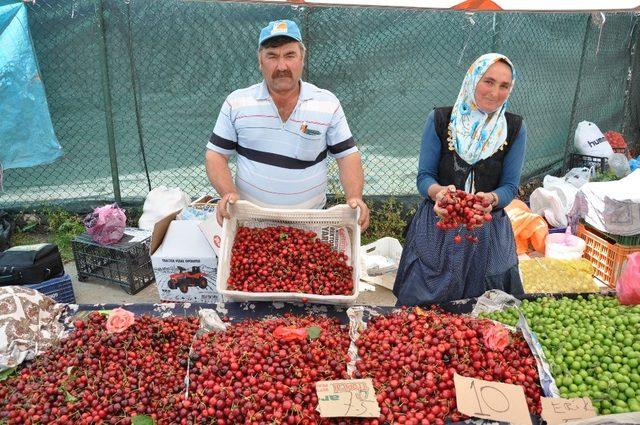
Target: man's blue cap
x: 284, y: 27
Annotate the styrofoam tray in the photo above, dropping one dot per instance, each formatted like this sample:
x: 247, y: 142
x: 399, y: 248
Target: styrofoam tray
x: 244, y: 213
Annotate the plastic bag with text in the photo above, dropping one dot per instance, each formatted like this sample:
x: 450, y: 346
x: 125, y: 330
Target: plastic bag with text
x: 589, y: 140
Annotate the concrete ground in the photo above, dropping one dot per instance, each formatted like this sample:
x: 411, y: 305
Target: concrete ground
x: 97, y: 291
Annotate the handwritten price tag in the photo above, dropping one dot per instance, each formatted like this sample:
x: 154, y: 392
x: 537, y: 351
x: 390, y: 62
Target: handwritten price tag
x: 347, y: 398
x: 562, y: 410
x: 491, y: 400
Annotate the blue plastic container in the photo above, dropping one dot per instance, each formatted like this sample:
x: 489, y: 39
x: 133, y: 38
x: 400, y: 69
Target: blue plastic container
x: 59, y: 288
x: 557, y: 229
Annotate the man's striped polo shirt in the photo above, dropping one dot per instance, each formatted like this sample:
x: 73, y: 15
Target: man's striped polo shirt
x: 282, y: 164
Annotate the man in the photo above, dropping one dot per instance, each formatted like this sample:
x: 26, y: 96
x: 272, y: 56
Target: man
x: 282, y: 130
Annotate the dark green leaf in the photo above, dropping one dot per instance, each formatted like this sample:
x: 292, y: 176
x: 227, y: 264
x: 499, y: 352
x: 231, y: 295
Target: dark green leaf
x: 313, y: 332
x: 283, y: 235
x: 142, y: 420
x: 7, y: 373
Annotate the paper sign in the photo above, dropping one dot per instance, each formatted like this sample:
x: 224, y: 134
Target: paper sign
x: 347, y: 397
x: 491, y: 400
x: 562, y: 410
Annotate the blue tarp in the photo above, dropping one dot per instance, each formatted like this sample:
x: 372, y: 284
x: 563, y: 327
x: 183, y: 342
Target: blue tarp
x: 26, y: 132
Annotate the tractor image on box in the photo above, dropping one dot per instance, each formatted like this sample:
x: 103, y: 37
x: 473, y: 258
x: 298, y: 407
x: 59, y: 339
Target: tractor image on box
x: 184, y: 279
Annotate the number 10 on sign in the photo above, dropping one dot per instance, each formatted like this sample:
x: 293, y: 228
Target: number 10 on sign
x: 491, y: 400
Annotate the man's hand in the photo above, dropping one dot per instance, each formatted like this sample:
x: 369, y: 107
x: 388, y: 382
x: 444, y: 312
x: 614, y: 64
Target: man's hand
x: 442, y: 212
x: 364, y: 212
x: 222, y: 211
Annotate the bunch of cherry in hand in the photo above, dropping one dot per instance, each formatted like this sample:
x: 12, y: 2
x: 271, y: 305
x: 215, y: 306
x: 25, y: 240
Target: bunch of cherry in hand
x: 458, y: 209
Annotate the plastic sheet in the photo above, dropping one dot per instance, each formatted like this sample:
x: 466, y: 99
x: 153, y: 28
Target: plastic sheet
x: 26, y: 132
x: 496, y: 300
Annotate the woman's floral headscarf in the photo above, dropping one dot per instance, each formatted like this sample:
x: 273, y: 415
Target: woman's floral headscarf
x: 474, y: 134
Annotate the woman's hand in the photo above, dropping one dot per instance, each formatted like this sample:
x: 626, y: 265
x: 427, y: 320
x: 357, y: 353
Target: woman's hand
x: 490, y: 201
x: 442, y: 191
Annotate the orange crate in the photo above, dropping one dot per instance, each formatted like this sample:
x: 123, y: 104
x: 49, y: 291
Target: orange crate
x: 606, y: 257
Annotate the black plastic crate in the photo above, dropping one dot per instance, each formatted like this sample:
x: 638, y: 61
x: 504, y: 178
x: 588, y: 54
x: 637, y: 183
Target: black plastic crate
x: 59, y: 288
x: 126, y: 263
x: 600, y: 163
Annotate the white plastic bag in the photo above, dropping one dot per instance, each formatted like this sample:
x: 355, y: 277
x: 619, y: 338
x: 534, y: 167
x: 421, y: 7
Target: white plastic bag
x: 554, y: 200
x: 579, y: 176
x: 160, y: 202
x: 619, y: 164
x: 589, y: 140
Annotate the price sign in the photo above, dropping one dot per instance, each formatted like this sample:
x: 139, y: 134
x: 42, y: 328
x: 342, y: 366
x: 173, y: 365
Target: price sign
x: 491, y: 400
x: 347, y: 398
x: 562, y: 410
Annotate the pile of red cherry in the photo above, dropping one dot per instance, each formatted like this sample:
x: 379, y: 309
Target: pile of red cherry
x: 412, y: 357
x: 264, y: 371
x: 94, y: 377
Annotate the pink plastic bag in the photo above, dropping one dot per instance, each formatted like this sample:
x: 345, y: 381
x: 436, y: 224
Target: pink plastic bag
x: 106, y: 224
x: 628, y: 286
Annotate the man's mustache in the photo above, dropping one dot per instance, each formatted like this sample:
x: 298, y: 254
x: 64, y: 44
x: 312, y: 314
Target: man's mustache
x: 281, y: 74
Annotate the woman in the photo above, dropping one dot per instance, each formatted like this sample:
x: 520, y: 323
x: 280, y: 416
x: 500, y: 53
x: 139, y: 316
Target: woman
x: 478, y: 147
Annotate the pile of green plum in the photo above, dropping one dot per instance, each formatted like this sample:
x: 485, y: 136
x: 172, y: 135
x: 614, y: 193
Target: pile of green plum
x: 592, y: 344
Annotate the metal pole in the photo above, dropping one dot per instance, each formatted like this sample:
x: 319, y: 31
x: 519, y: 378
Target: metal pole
x: 136, y: 89
x: 576, y: 94
x: 306, y: 39
x: 497, y: 25
x: 633, y: 72
x: 106, y: 97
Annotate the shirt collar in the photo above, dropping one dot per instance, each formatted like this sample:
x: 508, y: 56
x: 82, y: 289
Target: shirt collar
x: 263, y: 91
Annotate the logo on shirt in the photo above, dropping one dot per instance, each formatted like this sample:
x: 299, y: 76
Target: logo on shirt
x: 279, y: 27
x: 304, y: 128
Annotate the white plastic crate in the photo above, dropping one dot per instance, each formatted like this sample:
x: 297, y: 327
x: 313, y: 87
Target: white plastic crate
x: 246, y: 214
x: 385, y: 275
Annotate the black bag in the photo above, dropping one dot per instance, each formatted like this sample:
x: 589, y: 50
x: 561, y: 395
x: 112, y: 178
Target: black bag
x: 30, y: 264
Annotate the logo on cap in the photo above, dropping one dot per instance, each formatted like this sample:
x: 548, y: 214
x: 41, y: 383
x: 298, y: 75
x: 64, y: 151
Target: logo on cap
x: 279, y: 27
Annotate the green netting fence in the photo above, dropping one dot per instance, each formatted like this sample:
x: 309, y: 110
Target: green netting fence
x: 134, y: 87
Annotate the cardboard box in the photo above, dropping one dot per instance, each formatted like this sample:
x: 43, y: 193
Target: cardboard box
x: 210, y: 228
x: 184, y: 263
x: 212, y: 232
